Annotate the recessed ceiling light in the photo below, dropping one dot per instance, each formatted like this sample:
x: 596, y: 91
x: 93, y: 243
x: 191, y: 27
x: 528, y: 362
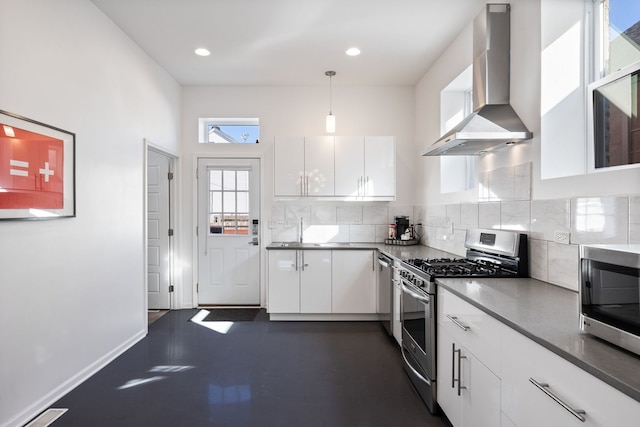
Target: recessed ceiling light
x: 202, y: 52
x: 353, y: 51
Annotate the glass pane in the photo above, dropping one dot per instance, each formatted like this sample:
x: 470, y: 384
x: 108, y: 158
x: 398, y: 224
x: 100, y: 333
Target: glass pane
x: 229, y: 180
x: 215, y: 180
x: 229, y: 224
x: 623, y: 38
x: 243, y: 224
x: 216, y: 201
x: 243, y: 181
x: 243, y: 202
x: 215, y: 224
x: 229, y: 202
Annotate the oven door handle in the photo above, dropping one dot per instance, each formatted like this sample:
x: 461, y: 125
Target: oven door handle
x: 414, y: 370
x: 414, y: 294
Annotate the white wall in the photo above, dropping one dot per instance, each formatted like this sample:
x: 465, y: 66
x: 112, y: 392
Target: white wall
x: 72, y: 290
x: 531, y: 24
x: 290, y: 110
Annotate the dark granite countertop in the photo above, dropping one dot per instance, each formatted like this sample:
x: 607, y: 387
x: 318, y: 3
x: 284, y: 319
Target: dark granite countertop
x: 548, y: 315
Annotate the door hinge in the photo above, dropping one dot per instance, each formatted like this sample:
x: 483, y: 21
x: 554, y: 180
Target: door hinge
x: 170, y: 232
x: 197, y: 173
x: 170, y: 176
x: 171, y: 289
x: 197, y: 288
x: 196, y: 230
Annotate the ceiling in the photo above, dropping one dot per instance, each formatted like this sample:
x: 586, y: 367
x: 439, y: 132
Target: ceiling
x: 293, y: 42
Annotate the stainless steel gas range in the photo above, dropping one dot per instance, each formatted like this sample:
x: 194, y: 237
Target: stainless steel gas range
x: 490, y: 253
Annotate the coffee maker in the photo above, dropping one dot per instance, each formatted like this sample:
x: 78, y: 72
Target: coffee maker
x: 402, y: 223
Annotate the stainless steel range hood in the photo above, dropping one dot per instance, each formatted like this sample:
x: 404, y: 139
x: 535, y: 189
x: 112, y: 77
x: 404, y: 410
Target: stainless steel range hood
x: 493, y: 123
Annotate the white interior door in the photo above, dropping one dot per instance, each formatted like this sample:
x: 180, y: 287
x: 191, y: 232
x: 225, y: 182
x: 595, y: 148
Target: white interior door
x: 228, y: 239
x: 158, y: 224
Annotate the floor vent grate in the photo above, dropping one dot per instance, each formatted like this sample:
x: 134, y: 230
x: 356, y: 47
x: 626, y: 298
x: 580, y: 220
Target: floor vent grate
x: 47, y: 417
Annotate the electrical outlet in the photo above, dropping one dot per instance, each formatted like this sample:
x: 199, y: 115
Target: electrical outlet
x: 562, y: 237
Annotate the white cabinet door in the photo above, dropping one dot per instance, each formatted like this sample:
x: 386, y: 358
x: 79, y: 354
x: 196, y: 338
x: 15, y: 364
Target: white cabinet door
x: 468, y: 392
x: 353, y: 281
x: 527, y: 405
x: 319, y: 166
x: 288, y: 171
x: 379, y: 166
x: 448, y: 398
x: 315, y: 281
x: 284, y: 282
x: 349, y: 165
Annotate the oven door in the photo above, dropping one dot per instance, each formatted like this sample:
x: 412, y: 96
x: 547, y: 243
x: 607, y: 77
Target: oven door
x: 418, y: 341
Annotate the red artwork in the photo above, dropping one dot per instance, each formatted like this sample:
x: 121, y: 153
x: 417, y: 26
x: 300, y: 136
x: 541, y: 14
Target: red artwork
x: 31, y: 170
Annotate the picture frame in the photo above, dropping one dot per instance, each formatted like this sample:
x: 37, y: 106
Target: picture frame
x: 37, y: 170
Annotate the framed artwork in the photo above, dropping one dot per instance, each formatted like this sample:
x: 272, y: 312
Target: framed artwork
x: 37, y: 169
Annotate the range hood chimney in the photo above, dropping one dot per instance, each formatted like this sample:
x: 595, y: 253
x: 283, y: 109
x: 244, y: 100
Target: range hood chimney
x: 493, y: 123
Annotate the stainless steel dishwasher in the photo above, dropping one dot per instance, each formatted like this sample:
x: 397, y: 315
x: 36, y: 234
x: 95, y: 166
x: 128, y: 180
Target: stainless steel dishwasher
x: 385, y: 292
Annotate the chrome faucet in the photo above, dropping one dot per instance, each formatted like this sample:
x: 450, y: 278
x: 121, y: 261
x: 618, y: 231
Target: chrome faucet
x: 301, y: 229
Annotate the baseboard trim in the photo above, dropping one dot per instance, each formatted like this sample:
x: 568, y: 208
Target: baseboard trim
x: 40, y: 405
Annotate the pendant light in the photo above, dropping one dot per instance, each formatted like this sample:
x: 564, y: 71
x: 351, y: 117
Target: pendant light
x: 331, y: 119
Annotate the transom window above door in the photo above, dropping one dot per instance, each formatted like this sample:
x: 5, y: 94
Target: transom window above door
x: 229, y: 130
x: 229, y: 201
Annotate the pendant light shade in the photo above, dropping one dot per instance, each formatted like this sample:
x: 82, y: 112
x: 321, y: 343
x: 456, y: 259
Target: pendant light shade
x: 331, y: 119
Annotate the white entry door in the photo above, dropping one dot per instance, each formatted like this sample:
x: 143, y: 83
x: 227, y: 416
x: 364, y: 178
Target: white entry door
x: 228, y: 240
x: 158, y: 234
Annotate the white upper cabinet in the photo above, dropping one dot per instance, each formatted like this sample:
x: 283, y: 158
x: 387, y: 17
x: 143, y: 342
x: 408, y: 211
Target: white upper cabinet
x: 319, y: 165
x: 380, y: 166
x: 365, y: 167
x: 304, y: 166
x: 343, y: 167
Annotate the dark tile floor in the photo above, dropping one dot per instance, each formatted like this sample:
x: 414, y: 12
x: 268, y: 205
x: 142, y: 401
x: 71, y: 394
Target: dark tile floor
x: 259, y: 373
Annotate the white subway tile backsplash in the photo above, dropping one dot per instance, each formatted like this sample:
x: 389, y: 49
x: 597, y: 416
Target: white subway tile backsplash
x: 549, y: 216
x: 515, y: 215
x: 453, y: 215
x: 563, y: 265
x: 489, y: 215
x: 437, y: 216
x: 522, y: 181
x: 469, y: 215
x: 349, y: 215
x: 538, y: 255
x: 362, y: 233
x: 502, y: 184
x: 382, y: 233
x: 600, y: 220
x: 323, y: 214
x: 376, y: 215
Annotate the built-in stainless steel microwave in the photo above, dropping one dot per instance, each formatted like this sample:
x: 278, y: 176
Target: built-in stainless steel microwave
x: 610, y: 293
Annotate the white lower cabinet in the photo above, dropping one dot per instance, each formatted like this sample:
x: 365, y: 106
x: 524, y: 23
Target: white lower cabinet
x: 562, y: 392
x: 468, y: 391
x: 299, y: 281
x: 354, y: 282
x: 508, y: 380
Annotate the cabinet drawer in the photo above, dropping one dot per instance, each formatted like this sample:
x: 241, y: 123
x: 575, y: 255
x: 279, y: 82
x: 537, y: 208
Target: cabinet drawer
x: 527, y: 405
x: 482, y: 334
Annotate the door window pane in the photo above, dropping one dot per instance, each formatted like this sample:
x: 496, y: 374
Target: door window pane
x: 229, y: 201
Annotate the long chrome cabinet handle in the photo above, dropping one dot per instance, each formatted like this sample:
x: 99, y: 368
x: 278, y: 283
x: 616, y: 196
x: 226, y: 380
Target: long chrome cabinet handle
x: 578, y: 413
x: 457, y: 322
x: 460, y: 357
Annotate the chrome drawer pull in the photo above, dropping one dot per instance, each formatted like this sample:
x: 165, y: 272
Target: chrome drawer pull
x: 578, y: 413
x: 457, y: 322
